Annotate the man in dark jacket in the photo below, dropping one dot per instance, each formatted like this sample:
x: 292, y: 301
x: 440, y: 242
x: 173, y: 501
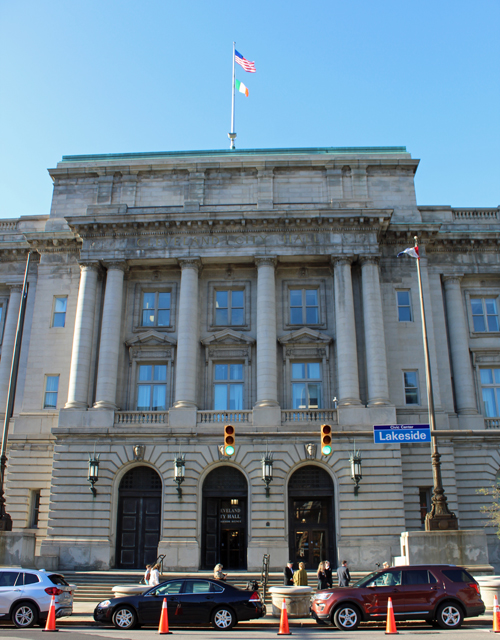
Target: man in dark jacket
x: 288, y: 574
x: 343, y: 575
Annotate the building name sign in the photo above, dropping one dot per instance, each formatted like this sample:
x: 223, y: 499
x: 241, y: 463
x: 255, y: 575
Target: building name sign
x: 233, y: 240
x: 404, y: 433
x: 231, y: 514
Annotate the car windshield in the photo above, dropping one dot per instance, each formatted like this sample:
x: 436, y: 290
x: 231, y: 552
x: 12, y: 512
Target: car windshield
x: 57, y: 579
x: 366, y: 579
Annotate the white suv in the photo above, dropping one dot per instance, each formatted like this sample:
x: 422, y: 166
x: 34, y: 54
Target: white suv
x: 25, y: 596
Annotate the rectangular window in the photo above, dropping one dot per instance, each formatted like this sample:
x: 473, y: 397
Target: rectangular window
x: 404, y: 306
x: 35, y: 508
x: 156, y: 307
x: 229, y: 307
x: 152, y: 387
x: 228, y: 387
x: 59, y: 318
x: 484, y: 314
x: 490, y: 387
x: 304, y: 306
x: 306, y: 385
x: 424, y: 497
x: 411, y: 387
x: 51, y: 389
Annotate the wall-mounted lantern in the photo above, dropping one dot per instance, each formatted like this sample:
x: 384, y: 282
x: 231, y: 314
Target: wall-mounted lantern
x: 267, y: 471
x: 179, y: 469
x: 93, y: 476
x: 356, y: 475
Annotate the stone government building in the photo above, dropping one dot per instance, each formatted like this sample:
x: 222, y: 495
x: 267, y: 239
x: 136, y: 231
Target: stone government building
x: 174, y: 293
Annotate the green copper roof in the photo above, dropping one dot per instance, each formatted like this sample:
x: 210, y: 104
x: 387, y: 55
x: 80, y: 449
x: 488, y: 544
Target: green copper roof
x: 235, y: 152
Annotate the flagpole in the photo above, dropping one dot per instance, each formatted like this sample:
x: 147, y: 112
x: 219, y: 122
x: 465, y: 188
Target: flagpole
x: 232, y: 135
x: 440, y: 518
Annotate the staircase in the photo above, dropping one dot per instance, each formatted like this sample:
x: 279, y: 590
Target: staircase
x: 94, y: 586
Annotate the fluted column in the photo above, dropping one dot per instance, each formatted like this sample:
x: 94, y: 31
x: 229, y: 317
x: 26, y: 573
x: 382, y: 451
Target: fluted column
x: 463, y: 381
x: 376, y: 359
x: 9, y: 336
x: 347, y: 355
x: 267, y: 374
x: 109, y: 350
x: 81, y: 355
x: 187, y: 335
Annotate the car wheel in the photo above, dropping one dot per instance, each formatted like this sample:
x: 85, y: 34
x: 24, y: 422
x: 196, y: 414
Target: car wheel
x: 346, y: 618
x: 223, y: 619
x: 449, y: 616
x: 24, y: 615
x: 124, y: 618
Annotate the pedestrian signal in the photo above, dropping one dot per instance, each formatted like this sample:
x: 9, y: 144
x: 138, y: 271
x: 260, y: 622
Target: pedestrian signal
x: 326, y: 439
x: 228, y: 440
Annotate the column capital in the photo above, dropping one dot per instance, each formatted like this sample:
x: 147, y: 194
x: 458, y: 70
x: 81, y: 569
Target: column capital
x: 369, y: 259
x: 452, y: 278
x: 89, y: 265
x: 16, y: 287
x: 116, y: 265
x: 342, y: 260
x: 190, y: 263
x: 265, y: 261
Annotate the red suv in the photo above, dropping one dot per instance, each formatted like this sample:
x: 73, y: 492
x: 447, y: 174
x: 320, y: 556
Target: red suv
x: 438, y: 593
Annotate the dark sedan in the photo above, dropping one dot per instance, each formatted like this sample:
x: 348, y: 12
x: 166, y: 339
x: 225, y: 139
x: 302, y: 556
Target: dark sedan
x: 189, y: 601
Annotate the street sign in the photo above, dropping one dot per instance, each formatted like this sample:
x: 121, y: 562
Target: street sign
x: 403, y: 433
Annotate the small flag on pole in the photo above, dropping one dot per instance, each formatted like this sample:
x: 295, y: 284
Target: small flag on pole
x: 241, y: 87
x: 411, y: 251
x: 243, y: 62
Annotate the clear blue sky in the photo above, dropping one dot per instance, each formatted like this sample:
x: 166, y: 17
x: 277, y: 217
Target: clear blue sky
x: 105, y: 76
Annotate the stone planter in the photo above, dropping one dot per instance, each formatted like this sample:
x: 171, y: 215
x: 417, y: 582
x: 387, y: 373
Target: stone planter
x: 122, y: 591
x: 489, y: 587
x: 298, y: 600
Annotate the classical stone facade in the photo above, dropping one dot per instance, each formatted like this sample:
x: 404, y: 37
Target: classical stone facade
x: 174, y: 293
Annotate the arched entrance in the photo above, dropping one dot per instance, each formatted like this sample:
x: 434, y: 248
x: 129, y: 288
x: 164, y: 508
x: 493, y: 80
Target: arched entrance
x: 139, y: 518
x: 311, y: 517
x: 224, y: 530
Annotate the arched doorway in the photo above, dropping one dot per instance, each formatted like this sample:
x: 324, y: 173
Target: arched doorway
x: 139, y: 518
x: 311, y: 517
x: 224, y: 530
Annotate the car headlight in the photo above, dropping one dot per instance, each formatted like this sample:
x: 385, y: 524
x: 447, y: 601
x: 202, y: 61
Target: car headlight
x: 104, y: 604
x: 323, y: 596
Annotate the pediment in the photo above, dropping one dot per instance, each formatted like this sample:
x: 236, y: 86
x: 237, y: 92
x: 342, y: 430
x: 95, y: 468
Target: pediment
x: 227, y: 337
x: 305, y: 336
x: 150, y: 338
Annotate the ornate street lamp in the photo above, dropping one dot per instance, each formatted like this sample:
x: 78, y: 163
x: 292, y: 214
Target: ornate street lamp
x: 179, y: 470
x: 93, y: 471
x: 356, y: 475
x: 267, y: 471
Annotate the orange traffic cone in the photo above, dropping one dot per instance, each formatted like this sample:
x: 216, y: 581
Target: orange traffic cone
x: 284, y: 630
x: 391, y: 623
x: 496, y: 615
x: 163, y: 628
x: 51, y: 618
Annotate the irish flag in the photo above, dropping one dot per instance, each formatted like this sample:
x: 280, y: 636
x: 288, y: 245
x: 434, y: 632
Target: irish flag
x: 241, y: 87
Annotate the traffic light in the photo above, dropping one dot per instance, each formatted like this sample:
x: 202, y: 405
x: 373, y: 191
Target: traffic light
x: 326, y: 439
x: 228, y: 440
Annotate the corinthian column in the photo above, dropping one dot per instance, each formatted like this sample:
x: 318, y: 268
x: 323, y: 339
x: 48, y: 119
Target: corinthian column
x: 459, y: 340
x: 82, y: 338
x: 187, y: 335
x: 267, y: 375
x: 109, y: 350
x: 376, y: 360
x: 347, y: 355
x: 9, y: 336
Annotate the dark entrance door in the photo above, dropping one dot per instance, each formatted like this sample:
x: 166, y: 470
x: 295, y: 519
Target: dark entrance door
x: 311, y: 521
x: 224, y: 530
x: 139, y: 518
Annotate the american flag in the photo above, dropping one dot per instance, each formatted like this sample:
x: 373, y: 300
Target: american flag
x: 243, y: 62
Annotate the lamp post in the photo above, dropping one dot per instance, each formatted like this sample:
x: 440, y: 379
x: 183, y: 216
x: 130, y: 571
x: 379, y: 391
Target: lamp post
x: 356, y: 475
x: 93, y: 476
x: 179, y: 471
x: 267, y: 471
x: 440, y: 518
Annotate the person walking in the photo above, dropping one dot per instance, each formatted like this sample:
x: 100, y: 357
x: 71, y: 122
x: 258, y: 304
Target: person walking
x: 154, y: 577
x: 218, y: 575
x: 147, y: 574
x: 343, y: 574
x: 300, y: 576
x: 322, y: 581
x: 328, y: 574
x: 288, y: 574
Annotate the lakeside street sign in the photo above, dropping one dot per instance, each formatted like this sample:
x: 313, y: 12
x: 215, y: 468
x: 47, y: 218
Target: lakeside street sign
x: 403, y: 433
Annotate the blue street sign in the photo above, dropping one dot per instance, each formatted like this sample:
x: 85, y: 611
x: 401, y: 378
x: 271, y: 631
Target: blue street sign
x: 402, y: 433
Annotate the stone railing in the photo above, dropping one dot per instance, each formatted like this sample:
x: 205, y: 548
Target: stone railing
x: 8, y: 226
x: 224, y: 417
x: 328, y: 416
x: 475, y: 214
x: 141, y: 417
x: 492, y: 423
